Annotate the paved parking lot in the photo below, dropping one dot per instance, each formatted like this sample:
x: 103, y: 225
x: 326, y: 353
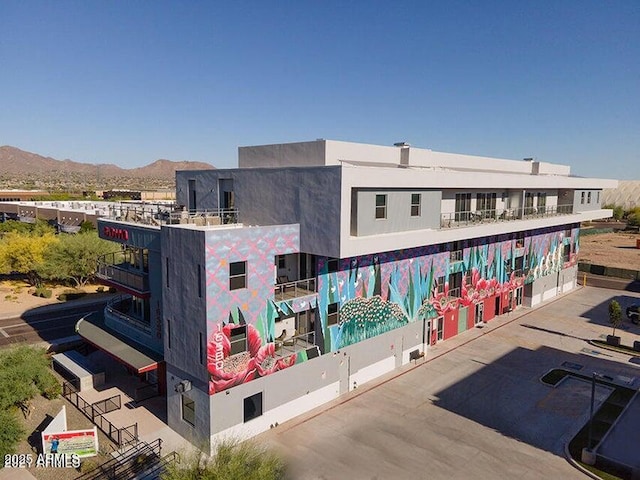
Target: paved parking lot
x: 475, y: 409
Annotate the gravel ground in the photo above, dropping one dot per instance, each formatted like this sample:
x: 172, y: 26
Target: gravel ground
x: 611, y: 249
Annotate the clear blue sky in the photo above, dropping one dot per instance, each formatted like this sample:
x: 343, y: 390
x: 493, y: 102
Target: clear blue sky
x: 133, y: 81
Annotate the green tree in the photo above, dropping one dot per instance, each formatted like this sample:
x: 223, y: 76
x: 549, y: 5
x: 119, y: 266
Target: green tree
x: 233, y: 460
x: 10, y: 433
x: 24, y: 253
x: 615, y: 315
x: 86, y: 227
x: 74, y: 257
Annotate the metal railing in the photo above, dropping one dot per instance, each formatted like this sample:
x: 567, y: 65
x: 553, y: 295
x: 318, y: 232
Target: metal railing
x: 94, y: 412
x: 465, y: 218
x: 115, y: 309
x: 139, y: 461
x: 161, y: 214
x: 299, y: 288
x: 116, y: 268
x: 298, y: 342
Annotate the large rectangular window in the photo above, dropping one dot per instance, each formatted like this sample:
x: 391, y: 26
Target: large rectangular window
x: 588, y: 197
x: 528, y: 203
x: 253, y: 406
x: 463, y: 207
x: 238, y: 340
x: 332, y: 314
x: 188, y: 410
x: 168, y: 333
x: 237, y: 275
x: 166, y: 270
x: 199, y: 281
x: 381, y: 206
x: 486, y: 205
x: 582, y: 197
x: 542, y: 202
x: 416, y: 200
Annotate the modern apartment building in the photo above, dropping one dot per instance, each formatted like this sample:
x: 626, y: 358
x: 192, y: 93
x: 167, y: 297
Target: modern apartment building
x: 315, y: 267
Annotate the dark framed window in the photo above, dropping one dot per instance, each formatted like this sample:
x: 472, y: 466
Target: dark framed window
x: 253, y: 406
x: 237, y: 275
x: 542, y: 202
x: 582, y: 197
x: 238, y: 340
x: 588, y: 197
x: 281, y: 262
x: 528, y: 203
x: 188, y: 410
x: 168, y: 333
x: 199, y: 281
x: 416, y: 201
x: 332, y: 314
x: 381, y: 207
x: 486, y: 204
x: 201, y: 348
x: 166, y: 270
x: 463, y: 206
x: 332, y: 265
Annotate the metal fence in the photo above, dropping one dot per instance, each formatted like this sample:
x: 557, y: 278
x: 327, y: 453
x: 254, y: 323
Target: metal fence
x: 299, y: 288
x: 465, y: 218
x: 94, y: 412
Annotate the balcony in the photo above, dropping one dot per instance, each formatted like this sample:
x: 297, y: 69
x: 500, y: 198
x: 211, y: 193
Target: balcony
x: 470, y: 218
x: 121, y: 309
x: 114, y: 270
x: 158, y: 214
x: 285, y: 290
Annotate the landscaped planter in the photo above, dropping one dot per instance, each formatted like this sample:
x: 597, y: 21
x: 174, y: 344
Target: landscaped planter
x: 613, y: 340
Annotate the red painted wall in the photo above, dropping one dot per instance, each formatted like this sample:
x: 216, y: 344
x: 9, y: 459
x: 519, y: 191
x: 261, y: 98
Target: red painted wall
x: 450, y: 324
x: 489, y: 308
x: 471, y: 315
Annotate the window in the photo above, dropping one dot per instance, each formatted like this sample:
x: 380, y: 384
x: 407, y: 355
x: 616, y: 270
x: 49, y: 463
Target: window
x: 582, y: 198
x: 440, y: 327
x: 166, y: 273
x: 381, y: 206
x: 440, y: 284
x: 542, y: 202
x: 253, y: 406
x: 598, y: 197
x: 237, y: 275
x: 588, y: 197
x: 332, y: 265
x: 528, y: 203
x: 168, y: 333
x: 199, y: 281
x: 188, y: 410
x: 200, y: 348
x: 332, y: 314
x: 455, y: 284
x: 281, y: 261
x: 415, y: 204
x: 238, y: 339
x: 566, y: 253
x: 486, y: 204
x: 463, y: 206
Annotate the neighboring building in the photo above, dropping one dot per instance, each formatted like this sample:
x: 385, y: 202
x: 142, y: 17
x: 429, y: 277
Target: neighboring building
x: 350, y: 260
x: 626, y: 195
x: 138, y: 195
x: 66, y: 216
x: 21, y: 195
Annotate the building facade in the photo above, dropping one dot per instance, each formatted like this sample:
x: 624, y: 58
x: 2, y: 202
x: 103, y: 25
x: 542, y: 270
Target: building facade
x: 318, y: 266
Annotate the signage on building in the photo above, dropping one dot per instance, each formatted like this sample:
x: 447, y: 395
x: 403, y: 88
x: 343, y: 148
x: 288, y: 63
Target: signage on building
x: 116, y: 233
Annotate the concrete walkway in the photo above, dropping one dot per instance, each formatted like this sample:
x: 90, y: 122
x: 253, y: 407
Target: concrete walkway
x: 475, y: 409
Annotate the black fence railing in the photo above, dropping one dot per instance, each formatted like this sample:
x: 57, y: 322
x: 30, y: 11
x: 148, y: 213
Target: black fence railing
x: 96, y: 411
x: 465, y: 218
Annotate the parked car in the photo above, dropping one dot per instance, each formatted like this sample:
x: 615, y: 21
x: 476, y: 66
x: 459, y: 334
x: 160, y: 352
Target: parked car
x: 633, y: 313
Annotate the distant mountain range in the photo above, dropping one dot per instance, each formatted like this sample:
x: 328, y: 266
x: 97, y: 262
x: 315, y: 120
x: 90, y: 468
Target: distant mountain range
x: 14, y: 161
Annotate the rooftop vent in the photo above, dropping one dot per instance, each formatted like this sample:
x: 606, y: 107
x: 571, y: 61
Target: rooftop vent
x: 529, y: 159
x: 401, y: 144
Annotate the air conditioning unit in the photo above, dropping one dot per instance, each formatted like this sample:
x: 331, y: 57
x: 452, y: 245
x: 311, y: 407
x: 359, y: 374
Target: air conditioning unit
x: 183, y: 386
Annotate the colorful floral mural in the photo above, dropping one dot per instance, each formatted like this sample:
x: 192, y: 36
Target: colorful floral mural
x: 226, y: 370
x: 378, y: 293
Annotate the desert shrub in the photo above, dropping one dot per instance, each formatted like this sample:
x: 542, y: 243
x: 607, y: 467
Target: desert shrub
x: 43, y: 292
x: 234, y: 460
x: 10, y: 433
x: 71, y: 295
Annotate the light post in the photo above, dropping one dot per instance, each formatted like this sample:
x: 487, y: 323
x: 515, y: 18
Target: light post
x: 588, y: 455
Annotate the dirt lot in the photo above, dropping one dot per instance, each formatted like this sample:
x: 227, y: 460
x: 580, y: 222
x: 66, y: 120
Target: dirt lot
x: 617, y: 249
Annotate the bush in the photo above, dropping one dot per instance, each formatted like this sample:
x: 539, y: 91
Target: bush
x: 71, y: 295
x: 10, y: 433
x: 233, y: 460
x: 43, y: 292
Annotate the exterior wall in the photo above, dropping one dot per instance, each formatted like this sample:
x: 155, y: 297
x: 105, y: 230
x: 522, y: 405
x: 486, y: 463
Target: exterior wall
x: 291, y: 392
x: 148, y: 238
x: 309, y: 197
x: 184, y: 301
x: 379, y: 293
x: 594, y: 203
x: 399, y: 217
x: 301, y: 154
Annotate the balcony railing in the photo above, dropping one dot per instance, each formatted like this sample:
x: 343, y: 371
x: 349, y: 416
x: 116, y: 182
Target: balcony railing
x: 158, y: 214
x: 114, y: 268
x: 466, y: 218
x: 119, y: 309
x: 299, y: 288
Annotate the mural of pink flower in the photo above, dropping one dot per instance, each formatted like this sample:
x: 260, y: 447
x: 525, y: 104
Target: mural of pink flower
x: 226, y: 371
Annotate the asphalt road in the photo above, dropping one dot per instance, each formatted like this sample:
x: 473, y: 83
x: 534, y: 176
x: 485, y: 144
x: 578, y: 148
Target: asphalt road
x: 45, y: 325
